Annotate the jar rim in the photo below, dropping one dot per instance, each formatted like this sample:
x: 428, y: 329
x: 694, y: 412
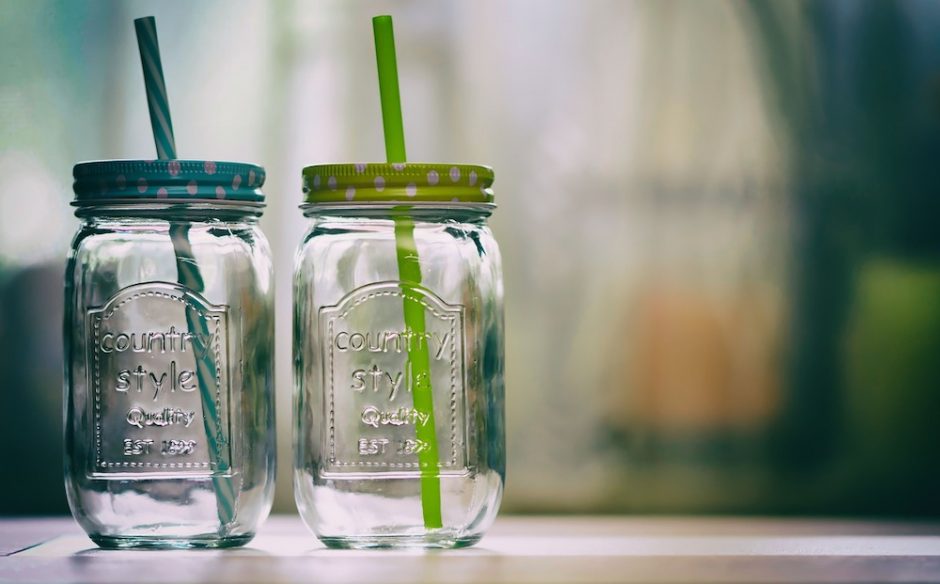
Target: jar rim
x: 175, y: 179
x: 404, y: 182
x: 169, y: 210
x: 393, y: 209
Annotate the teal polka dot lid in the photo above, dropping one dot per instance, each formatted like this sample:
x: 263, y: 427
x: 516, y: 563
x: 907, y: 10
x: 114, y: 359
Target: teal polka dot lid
x: 410, y: 182
x: 176, y: 180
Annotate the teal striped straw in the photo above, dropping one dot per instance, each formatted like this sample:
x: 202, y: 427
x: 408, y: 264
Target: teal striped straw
x: 157, y: 100
x: 186, y: 267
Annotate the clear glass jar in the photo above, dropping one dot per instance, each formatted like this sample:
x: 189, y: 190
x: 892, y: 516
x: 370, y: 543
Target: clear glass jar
x: 398, y: 352
x: 169, y: 391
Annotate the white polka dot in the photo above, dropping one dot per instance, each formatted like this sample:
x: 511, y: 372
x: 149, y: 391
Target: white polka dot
x: 316, y: 181
x: 251, y: 178
x: 411, y: 189
x: 161, y: 193
x: 454, y: 174
x: 399, y: 166
x: 141, y: 185
x: 173, y: 167
x: 433, y: 178
x: 121, y: 181
x: 473, y: 177
x: 219, y: 192
x: 482, y: 190
x: 360, y: 168
x: 236, y: 182
x: 209, y: 167
x: 380, y: 183
x: 350, y: 193
x: 331, y: 182
x: 192, y: 188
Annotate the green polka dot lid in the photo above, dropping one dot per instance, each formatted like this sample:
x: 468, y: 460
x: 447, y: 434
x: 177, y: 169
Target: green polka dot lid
x: 403, y: 182
x: 176, y: 180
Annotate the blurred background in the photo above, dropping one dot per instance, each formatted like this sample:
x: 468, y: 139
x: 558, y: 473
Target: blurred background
x: 720, y: 223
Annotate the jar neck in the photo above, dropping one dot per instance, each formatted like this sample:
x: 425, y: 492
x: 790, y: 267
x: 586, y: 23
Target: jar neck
x: 430, y: 212
x: 172, y: 211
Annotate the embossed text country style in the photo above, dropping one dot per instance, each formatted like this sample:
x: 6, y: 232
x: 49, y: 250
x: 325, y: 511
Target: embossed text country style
x: 174, y: 376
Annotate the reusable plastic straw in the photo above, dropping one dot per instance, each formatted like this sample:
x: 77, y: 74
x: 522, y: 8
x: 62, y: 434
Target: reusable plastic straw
x: 186, y: 266
x: 409, y: 270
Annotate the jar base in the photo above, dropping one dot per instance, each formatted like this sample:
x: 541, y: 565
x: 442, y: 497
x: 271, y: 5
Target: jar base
x: 426, y: 541
x: 111, y: 542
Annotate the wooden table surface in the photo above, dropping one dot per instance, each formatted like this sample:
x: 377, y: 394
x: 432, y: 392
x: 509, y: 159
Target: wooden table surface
x: 517, y: 549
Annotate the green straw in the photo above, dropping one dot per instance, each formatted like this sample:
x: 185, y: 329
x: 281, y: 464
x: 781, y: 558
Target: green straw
x: 409, y: 270
x: 187, y: 270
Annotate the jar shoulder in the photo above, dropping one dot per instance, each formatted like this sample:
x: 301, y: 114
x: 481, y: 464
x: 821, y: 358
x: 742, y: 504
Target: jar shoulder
x: 324, y: 232
x: 106, y: 258
x: 460, y: 262
x: 93, y: 237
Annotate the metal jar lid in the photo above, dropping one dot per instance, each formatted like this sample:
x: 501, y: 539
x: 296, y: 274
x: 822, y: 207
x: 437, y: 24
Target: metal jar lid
x: 177, y: 180
x: 410, y: 182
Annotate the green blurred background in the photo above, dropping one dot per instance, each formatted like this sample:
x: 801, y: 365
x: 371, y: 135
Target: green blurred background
x: 720, y: 223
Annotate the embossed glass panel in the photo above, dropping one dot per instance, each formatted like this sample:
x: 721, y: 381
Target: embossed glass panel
x: 169, y: 404
x: 368, y: 379
x: 398, y: 353
x: 151, y: 416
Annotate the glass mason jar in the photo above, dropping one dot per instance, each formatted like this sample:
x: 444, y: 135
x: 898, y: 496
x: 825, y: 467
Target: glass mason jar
x: 169, y: 392
x: 398, y: 352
